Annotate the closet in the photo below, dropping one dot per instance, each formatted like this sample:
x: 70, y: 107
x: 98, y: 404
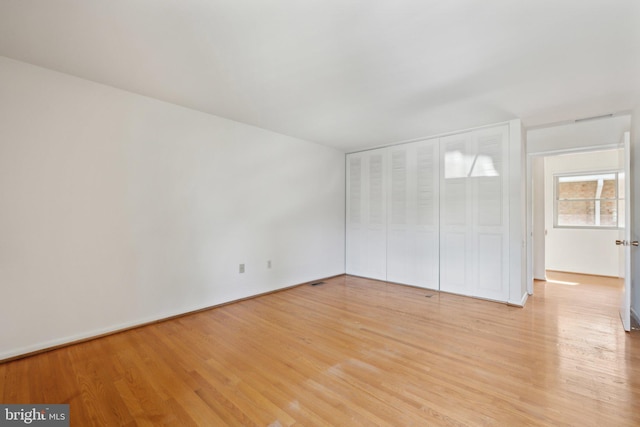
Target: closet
x: 436, y: 213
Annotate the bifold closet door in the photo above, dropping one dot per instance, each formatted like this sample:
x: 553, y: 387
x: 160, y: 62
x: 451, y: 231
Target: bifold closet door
x: 456, y: 253
x: 474, y: 215
x: 367, y: 214
x: 412, y: 221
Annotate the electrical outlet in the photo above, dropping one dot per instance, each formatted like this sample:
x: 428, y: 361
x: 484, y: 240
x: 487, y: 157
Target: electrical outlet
x: 241, y: 268
x: 269, y: 264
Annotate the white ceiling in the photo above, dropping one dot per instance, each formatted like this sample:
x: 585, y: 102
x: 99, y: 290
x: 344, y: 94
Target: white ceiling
x: 346, y: 73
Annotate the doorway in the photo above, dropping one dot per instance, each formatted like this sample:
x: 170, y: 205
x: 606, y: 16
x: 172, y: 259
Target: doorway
x: 582, y: 200
x: 572, y: 138
x: 579, y: 136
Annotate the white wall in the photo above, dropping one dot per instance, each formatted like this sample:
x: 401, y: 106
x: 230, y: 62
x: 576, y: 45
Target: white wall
x: 590, y: 251
x: 117, y: 209
x: 539, y: 255
x: 577, y: 136
x: 635, y: 211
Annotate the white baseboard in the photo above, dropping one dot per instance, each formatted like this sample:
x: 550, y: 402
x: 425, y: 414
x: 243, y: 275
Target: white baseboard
x: 522, y: 301
x: 34, y: 348
x: 76, y: 338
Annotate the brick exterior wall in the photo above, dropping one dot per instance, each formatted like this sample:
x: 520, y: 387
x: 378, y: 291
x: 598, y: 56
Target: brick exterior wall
x: 581, y: 212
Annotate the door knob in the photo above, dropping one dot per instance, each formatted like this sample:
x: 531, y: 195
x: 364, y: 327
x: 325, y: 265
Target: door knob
x: 619, y: 242
x: 634, y: 243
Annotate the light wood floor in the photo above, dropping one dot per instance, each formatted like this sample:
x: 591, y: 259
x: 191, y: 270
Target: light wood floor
x: 356, y: 352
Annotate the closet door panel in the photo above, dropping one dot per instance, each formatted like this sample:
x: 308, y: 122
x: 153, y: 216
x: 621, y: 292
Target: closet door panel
x: 456, y: 253
x: 366, y: 214
x: 355, y: 238
x: 454, y: 203
x: 427, y: 269
x: 377, y: 191
x: 490, y: 177
x: 376, y: 232
x: 491, y: 257
x: 413, y: 247
x: 474, y: 213
x: 490, y: 206
x: 427, y: 200
x: 491, y: 222
x: 376, y: 255
x: 399, y: 250
x: 453, y: 262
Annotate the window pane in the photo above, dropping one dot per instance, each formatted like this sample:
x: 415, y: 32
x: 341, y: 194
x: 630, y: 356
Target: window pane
x: 589, y: 200
x: 576, y: 213
x: 577, y: 190
x: 608, y: 189
x: 608, y: 213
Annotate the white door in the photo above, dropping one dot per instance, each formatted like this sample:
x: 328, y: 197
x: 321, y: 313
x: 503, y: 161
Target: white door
x: 456, y: 216
x: 490, y: 177
x: 624, y: 185
x: 412, y: 220
x: 474, y: 213
x: 366, y: 215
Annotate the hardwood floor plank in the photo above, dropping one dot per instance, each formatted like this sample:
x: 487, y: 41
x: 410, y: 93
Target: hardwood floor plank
x: 356, y: 352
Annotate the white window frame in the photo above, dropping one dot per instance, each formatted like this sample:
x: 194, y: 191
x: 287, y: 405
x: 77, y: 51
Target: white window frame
x: 556, y: 180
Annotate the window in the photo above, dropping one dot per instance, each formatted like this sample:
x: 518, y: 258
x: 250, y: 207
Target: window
x: 589, y: 200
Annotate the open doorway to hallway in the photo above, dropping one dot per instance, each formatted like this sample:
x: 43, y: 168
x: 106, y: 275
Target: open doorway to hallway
x: 579, y: 200
x: 580, y: 136
x: 581, y: 208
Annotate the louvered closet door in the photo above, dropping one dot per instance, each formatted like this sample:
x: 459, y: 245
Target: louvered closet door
x: 355, y: 239
x: 412, y: 222
x: 366, y: 214
x: 491, y: 213
x: 456, y: 251
x: 474, y: 214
